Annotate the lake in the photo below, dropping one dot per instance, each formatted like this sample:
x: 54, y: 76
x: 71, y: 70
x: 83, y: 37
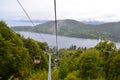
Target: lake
x: 63, y: 42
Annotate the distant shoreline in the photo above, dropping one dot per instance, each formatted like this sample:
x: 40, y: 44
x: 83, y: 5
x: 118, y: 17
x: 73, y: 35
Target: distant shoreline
x: 68, y: 41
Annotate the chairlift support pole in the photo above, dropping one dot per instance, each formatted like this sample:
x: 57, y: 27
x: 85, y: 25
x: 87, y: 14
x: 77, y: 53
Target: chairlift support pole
x: 49, y: 52
x: 49, y: 70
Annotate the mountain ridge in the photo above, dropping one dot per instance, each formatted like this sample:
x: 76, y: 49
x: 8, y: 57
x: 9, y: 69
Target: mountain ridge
x: 69, y: 27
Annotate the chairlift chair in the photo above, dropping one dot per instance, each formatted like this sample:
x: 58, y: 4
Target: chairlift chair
x: 37, y: 59
x: 57, y: 62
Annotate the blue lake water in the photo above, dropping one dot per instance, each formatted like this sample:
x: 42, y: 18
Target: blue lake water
x: 63, y: 42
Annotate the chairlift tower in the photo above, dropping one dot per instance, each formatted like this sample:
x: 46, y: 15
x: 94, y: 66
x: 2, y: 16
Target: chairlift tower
x: 49, y: 72
x: 50, y: 52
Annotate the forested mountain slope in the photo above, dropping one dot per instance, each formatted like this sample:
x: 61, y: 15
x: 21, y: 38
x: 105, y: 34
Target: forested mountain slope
x: 17, y: 54
x: 77, y: 29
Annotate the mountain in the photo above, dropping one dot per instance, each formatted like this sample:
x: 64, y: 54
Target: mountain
x: 75, y: 28
x: 94, y: 22
x: 35, y: 21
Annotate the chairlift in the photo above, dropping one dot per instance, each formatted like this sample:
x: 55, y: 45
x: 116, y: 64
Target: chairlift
x: 57, y: 62
x: 37, y: 59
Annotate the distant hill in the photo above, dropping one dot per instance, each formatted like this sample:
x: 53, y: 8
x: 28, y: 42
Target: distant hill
x: 94, y: 22
x: 75, y: 28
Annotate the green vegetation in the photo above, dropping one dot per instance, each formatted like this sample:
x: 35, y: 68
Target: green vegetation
x: 74, y: 28
x: 17, y: 54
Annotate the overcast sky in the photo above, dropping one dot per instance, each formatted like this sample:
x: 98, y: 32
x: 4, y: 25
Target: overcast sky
x: 100, y: 10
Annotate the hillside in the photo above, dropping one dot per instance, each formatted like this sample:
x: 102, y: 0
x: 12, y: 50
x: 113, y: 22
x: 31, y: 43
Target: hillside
x: 77, y: 29
x: 17, y: 53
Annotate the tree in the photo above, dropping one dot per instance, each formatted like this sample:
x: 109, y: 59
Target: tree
x: 63, y: 68
x: 114, y: 67
x: 89, y: 64
x: 71, y: 76
x: 14, y: 56
x: 106, y: 48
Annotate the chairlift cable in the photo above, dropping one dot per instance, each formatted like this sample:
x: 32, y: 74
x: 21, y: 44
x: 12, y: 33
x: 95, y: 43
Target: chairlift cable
x: 56, y: 32
x: 55, y: 12
x: 29, y: 18
x: 25, y: 12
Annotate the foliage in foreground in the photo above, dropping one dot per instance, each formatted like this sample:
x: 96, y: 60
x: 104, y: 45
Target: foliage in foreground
x: 17, y: 60
x: 17, y: 54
